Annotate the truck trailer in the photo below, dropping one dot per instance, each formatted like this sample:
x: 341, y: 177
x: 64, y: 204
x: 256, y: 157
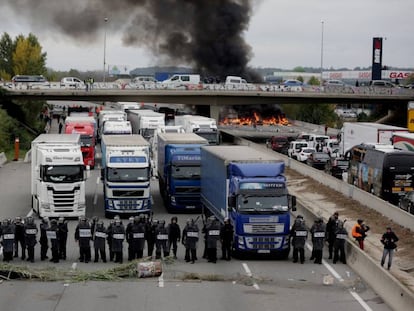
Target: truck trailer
x: 126, y: 175
x: 179, y: 170
x: 145, y: 122
x: 86, y: 127
x: 248, y: 187
x: 203, y: 126
x: 355, y: 133
x: 403, y: 141
x: 58, y: 176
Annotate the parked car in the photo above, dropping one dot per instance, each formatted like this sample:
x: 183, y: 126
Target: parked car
x: 406, y: 202
x: 292, y: 83
x: 318, y: 160
x: 295, y: 147
x: 304, y: 154
x: 71, y: 82
x: 336, y: 167
x: 382, y: 83
x: 334, y: 83
x: 279, y: 144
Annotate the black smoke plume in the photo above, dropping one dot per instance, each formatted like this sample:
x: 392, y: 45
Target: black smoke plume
x: 204, y: 34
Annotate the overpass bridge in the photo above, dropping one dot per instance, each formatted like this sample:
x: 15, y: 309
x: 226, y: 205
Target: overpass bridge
x: 217, y: 98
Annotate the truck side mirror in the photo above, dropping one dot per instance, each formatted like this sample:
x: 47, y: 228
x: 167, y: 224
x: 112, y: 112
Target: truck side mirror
x: 231, y: 201
x: 292, y: 202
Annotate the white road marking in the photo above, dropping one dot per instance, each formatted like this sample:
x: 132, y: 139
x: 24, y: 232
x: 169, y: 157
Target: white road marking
x: 161, y: 280
x: 340, y: 279
x: 30, y: 213
x: 95, y: 197
x: 250, y: 274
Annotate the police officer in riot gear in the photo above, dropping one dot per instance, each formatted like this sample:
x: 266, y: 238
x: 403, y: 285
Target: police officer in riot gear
x: 118, y: 237
x: 190, y: 239
x: 226, y: 237
x: 109, y: 239
x: 318, y: 240
x: 150, y: 235
x: 129, y: 236
x: 299, y: 234
x: 341, y: 236
x: 99, y: 240
x: 161, y: 243
x: 174, y: 235
x: 137, y: 237
x: 63, y: 237
x: 7, y: 236
x: 19, y: 237
x: 53, y: 236
x: 30, y: 235
x: 83, y: 235
x: 213, y: 235
x: 44, y: 245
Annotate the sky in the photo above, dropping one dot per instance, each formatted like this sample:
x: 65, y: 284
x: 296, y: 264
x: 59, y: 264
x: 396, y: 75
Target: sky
x: 281, y: 34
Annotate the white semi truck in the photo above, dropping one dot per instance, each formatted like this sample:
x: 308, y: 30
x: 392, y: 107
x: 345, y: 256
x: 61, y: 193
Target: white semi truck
x: 58, y: 176
x: 126, y: 174
x: 354, y: 133
x: 203, y: 126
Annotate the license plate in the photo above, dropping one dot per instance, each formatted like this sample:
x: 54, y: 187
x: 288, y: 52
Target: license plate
x: 190, y: 207
x: 263, y: 251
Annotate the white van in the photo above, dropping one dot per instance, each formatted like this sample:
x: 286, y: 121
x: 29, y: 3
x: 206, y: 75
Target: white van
x: 234, y: 82
x: 182, y: 80
x: 72, y: 82
x: 315, y: 139
x: 295, y: 147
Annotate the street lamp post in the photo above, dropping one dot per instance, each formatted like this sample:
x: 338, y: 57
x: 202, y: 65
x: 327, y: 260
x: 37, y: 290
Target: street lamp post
x: 322, y: 22
x: 104, y: 54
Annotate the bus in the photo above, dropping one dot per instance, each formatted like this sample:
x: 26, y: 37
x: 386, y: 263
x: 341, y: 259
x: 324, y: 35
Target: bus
x: 30, y: 81
x: 381, y: 170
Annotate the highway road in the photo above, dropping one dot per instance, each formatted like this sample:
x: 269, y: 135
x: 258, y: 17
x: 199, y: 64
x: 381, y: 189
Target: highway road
x: 235, y: 285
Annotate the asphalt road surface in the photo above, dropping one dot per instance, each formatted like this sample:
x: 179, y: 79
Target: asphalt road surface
x: 241, y: 285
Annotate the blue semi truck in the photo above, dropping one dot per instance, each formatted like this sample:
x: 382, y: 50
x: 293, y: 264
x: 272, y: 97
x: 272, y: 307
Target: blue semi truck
x: 249, y: 187
x: 179, y: 170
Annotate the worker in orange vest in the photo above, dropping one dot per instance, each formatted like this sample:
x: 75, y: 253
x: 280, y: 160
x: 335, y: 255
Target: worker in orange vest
x: 359, y: 231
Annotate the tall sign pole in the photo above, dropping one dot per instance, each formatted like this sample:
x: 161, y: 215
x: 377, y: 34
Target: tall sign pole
x: 376, y: 59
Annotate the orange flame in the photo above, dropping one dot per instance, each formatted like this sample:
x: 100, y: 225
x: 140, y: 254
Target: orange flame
x: 256, y: 119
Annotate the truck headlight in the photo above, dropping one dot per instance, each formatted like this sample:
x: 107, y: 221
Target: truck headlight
x: 82, y: 206
x: 45, y: 206
x: 241, y: 240
x: 173, y: 199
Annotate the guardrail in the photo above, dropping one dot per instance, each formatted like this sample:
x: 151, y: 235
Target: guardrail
x: 266, y: 88
x: 3, y: 159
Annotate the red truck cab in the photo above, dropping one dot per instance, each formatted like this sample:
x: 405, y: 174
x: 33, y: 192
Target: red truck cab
x: 87, y: 132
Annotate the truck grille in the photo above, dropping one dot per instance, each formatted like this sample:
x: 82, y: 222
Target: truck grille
x: 127, y: 204
x: 63, y: 200
x: 267, y: 242
x: 264, y: 228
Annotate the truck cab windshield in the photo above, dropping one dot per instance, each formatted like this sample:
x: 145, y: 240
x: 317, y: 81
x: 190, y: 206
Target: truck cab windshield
x: 63, y: 173
x: 268, y: 204
x: 210, y: 136
x: 86, y: 140
x: 128, y: 174
x: 185, y: 172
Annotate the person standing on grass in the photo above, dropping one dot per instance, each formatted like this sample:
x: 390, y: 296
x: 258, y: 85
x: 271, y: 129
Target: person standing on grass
x: 389, y: 238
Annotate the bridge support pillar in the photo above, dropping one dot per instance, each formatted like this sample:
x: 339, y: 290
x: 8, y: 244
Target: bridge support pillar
x: 215, y: 112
